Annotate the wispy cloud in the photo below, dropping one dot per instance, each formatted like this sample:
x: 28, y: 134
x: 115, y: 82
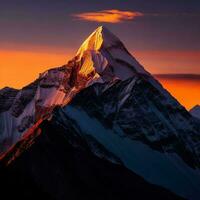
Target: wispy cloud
x: 117, y: 16
x: 108, y: 16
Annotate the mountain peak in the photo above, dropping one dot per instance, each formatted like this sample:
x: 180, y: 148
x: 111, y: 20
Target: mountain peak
x: 100, y: 37
x: 103, y: 51
x: 106, y: 33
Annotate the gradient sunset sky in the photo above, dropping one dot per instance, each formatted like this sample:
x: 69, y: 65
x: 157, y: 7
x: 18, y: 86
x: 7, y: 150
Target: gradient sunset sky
x: 164, y: 36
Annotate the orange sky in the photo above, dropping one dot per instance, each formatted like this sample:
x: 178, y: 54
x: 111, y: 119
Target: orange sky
x: 18, y: 68
x: 164, y: 62
x: 187, y: 91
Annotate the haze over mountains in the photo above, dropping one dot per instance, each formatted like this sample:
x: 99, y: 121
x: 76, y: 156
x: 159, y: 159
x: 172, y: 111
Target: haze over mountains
x: 82, y: 129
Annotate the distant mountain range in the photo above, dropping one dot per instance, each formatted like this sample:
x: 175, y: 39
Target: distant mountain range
x: 98, y: 127
x: 195, y: 111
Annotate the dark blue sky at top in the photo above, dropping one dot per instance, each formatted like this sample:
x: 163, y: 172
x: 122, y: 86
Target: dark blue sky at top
x: 49, y: 23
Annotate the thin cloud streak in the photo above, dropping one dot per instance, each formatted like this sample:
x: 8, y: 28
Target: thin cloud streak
x: 117, y: 16
x: 193, y: 77
x: 172, y: 14
x: 108, y: 16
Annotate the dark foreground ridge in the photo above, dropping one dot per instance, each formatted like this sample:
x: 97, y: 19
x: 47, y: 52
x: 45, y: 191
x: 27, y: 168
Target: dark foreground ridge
x: 47, y: 166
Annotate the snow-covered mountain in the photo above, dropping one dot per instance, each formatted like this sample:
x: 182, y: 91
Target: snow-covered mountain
x: 195, y: 111
x: 93, y: 63
x: 103, y: 104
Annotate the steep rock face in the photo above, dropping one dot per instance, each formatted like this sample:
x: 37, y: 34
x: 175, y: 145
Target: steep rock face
x: 143, y: 113
x: 149, y: 133
x: 50, y: 164
x: 195, y: 111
